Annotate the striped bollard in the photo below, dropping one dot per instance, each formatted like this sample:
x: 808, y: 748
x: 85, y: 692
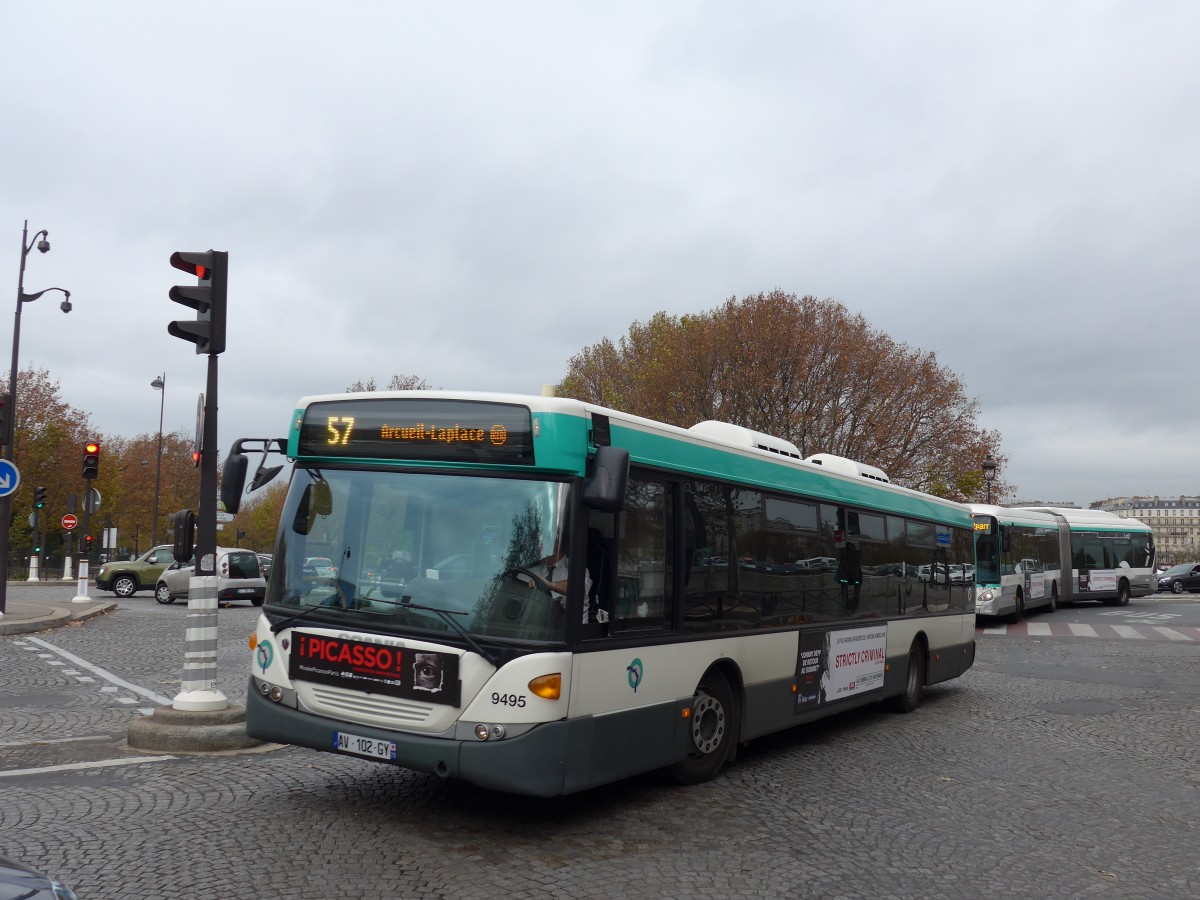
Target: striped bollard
x: 200, y: 648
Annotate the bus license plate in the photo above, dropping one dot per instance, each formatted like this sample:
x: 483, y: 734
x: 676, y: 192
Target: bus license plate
x: 364, y: 746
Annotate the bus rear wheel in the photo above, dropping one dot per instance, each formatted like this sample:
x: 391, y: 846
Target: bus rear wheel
x: 914, y: 682
x: 712, y: 731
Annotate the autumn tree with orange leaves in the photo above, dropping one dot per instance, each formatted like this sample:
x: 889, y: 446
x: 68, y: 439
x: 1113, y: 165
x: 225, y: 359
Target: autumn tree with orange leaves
x: 805, y: 370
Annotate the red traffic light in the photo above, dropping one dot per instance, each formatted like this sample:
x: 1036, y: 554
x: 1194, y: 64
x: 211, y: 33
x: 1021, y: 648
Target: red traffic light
x: 91, y: 459
x: 208, y: 298
x: 197, y: 264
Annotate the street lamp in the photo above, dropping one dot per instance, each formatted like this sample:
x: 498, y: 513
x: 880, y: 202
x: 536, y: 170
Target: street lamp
x: 159, y: 384
x: 42, y: 241
x: 989, y: 472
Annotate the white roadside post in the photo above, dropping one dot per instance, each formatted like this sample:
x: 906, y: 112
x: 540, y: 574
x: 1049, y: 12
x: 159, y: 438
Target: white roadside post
x: 82, y: 596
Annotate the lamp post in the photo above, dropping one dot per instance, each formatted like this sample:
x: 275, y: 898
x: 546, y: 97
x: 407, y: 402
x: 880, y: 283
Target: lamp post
x: 9, y: 431
x: 989, y: 472
x: 159, y: 384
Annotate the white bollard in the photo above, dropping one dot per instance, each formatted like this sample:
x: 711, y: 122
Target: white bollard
x: 82, y: 596
x: 67, y: 566
x: 33, y: 569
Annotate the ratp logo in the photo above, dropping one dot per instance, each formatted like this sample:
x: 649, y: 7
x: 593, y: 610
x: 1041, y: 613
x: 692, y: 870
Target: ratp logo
x: 265, y: 654
x: 634, y: 670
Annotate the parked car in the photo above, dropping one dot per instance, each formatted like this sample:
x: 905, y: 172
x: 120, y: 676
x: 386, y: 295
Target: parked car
x: 127, y: 578
x: 239, y: 577
x: 1180, y: 578
x: 18, y: 880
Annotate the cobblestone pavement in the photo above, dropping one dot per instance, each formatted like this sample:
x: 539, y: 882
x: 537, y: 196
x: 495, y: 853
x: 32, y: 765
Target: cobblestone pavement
x: 1055, y: 767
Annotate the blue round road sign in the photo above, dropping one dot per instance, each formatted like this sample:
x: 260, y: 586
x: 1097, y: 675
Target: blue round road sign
x: 10, y: 478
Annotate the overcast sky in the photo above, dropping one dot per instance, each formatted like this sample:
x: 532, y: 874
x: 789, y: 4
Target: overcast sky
x: 474, y: 192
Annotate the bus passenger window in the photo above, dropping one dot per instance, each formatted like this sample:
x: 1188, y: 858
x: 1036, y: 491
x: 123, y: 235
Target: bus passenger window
x: 645, y: 572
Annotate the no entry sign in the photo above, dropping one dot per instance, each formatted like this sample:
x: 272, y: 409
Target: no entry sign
x: 69, y: 521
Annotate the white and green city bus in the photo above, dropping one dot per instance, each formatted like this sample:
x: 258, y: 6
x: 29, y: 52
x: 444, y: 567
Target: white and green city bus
x: 716, y: 588
x: 1112, y: 557
x: 1018, y: 560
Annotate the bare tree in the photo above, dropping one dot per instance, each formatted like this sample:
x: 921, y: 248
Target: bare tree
x: 398, y: 383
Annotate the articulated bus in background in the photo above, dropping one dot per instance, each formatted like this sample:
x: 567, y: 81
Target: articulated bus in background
x: 1022, y: 554
x: 1112, y: 557
x: 540, y: 595
x: 1018, y: 560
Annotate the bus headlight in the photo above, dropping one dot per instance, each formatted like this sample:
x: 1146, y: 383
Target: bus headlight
x: 484, y: 731
x: 986, y: 596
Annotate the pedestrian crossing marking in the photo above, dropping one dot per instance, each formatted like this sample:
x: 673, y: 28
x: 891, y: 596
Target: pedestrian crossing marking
x: 1130, y: 631
x: 1171, y: 633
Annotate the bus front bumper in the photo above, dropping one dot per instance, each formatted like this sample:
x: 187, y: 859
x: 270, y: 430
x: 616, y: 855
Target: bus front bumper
x: 533, y: 763
x: 989, y: 602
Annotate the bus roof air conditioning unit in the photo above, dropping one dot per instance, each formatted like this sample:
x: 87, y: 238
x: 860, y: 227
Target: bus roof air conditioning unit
x: 844, y: 466
x: 744, y: 437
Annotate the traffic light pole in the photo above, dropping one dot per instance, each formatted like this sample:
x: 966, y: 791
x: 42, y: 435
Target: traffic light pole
x: 200, y: 692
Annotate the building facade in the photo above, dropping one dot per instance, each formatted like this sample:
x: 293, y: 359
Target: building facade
x: 1175, y: 522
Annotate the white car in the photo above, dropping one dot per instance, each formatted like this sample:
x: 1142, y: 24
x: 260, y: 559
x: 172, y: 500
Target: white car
x: 321, y: 567
x: 239, y: 577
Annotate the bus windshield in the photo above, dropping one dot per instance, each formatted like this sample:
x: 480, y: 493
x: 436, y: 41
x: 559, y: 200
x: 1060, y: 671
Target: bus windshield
x: 386, y: 549
x: 987, y: 550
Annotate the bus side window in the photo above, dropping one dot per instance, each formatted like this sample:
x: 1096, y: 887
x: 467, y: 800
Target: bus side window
x: 645, y: 570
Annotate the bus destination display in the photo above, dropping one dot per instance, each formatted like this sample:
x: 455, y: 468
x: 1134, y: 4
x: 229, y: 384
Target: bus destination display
x: 418, y: 429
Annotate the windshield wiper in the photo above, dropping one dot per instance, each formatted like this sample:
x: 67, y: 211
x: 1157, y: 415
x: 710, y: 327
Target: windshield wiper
x: 445, y: 616
x: 286, y: 620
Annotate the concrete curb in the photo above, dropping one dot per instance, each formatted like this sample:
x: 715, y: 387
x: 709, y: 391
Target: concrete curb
x: 54, y: 617
x: 170, y: 730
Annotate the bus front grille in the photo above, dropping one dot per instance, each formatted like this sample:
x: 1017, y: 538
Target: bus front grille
x: 356, y: 706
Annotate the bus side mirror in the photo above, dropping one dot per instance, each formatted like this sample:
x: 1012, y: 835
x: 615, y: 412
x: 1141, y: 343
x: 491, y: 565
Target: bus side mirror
x: 233, y: 481
x: 604, y: 489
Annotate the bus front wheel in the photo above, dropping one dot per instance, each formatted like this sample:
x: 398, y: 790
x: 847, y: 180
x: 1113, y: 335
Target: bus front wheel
x: 712, y: 731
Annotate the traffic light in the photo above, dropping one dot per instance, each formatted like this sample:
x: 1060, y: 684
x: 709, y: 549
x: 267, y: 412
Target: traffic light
x: 91, y: 459
x: 208, y: 298
x: 185, y: 534
x: 39, y: 498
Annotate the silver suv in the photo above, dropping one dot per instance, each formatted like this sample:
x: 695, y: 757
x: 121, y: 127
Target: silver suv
x: 239, y: 577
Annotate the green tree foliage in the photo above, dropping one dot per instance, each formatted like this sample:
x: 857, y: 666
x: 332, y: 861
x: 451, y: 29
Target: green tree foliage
x: 803, y: 369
